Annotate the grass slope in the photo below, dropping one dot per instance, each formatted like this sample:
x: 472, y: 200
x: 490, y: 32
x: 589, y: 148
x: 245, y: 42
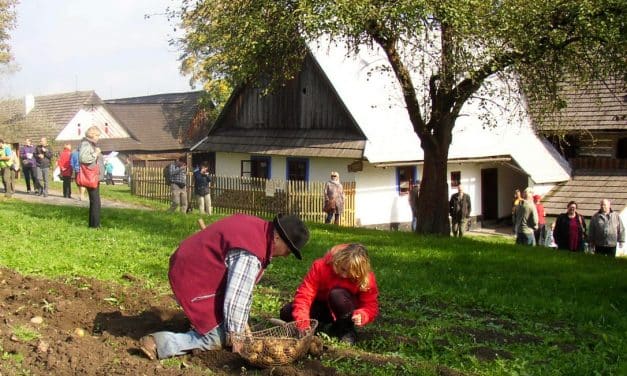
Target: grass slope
x: 478, y: 305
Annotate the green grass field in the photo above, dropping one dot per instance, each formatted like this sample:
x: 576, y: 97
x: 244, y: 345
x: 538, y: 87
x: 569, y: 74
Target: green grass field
x: 479, y: 305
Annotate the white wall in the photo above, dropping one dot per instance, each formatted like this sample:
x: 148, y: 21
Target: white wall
x: 229, y: 164
x: 376, y: 198
x: 377, y: 201
x: 99, y: 116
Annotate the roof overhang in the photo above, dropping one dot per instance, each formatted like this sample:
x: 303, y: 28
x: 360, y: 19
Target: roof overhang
x: 501, y: 158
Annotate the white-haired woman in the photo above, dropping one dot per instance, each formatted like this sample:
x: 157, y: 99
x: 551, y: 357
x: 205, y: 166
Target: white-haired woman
x: 89, y: 154
x: 333, y: 198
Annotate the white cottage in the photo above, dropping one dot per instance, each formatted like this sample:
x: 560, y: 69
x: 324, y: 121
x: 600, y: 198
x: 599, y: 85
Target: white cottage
x: 346, y: 114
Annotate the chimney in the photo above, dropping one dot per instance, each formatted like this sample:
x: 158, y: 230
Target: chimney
x: 29, y: 103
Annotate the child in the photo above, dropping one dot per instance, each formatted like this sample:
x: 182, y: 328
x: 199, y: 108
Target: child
x: 340, y: 289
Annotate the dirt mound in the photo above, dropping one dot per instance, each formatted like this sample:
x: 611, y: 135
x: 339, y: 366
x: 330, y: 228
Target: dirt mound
x: 84, y: 326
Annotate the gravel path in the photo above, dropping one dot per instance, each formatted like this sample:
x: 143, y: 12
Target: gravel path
x: 55, y: 197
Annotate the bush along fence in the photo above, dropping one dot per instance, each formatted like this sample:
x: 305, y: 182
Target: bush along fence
x: 255, y: 196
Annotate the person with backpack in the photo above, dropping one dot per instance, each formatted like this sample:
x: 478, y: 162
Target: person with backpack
x: 76, y: 166
x: 202, y: 188
x: 6, y: 162
x: 176, y: 176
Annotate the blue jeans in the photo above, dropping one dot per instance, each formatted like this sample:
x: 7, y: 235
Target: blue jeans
x: 171, y: 344
x: 525, y: 239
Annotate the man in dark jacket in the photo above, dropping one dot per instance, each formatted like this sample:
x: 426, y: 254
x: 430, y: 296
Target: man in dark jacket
x: 459, y: 210
x: 43, y: 158
x: 29, y: 165
x: 413, y: 203
x: 213, y: 273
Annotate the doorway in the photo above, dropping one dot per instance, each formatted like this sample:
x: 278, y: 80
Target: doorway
x: 489, y: 194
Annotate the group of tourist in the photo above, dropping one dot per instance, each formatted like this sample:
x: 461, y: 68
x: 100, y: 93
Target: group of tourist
x: 35, y: 162
x: 603, y: 235
x: 175, y: 175
x: 569, y: 231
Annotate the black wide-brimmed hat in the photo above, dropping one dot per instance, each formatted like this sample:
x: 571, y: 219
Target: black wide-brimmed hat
x: 293, y: 232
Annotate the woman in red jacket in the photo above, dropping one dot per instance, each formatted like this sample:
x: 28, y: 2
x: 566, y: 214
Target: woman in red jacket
x: 340, y: 289
x: 65, y: 170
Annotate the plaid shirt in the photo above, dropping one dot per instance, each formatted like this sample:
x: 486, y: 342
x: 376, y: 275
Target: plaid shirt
x: 178, y: 175
x: 243, y: 268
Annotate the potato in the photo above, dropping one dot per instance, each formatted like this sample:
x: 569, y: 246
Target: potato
x: 316, y: 347
x: 253, y: 357
x: 290, y: 351
x: 256, y: 347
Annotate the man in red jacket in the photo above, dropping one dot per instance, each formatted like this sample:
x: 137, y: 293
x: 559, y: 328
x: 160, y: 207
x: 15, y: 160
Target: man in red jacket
x: 213, y: 273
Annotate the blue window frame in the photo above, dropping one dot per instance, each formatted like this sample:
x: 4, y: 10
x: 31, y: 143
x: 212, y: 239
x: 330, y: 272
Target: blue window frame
x: 297, y: 169
x: 406, y: 176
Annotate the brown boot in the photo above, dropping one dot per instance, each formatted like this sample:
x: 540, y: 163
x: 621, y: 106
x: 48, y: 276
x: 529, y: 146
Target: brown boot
x: 148, y: 346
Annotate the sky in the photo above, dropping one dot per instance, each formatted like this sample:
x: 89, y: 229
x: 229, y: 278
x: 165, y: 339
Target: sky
x: 103, y: 45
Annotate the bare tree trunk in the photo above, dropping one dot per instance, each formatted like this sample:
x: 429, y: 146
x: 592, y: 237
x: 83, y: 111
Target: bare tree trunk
x: 433, y: 198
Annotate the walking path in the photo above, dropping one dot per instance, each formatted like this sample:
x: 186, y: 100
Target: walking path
x: 55, y: 197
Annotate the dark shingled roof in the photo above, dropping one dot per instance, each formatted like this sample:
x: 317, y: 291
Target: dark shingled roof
x: 588, y: 188
x: 48, y: 117
x: 599, y: 106
x: 159, y: 122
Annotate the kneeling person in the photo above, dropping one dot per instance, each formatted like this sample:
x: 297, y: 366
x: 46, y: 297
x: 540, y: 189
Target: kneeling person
x: 340, y: 289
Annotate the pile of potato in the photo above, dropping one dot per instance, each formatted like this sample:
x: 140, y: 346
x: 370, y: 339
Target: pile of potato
x: 268, y: 351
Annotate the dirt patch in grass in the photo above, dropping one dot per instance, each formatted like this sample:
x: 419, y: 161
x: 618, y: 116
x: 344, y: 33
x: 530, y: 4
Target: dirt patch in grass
x: 112, y: 317
x: 493, y: 336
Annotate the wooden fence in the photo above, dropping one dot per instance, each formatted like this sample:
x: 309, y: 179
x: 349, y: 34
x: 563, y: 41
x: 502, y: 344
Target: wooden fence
x: 260, y: 197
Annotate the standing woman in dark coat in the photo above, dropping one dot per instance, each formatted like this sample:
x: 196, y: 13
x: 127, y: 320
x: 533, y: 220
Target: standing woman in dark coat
x: 569, y: 229
x: 89, y: 154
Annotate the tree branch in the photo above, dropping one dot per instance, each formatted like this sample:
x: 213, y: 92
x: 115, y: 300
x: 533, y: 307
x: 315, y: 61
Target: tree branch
x: 404, y: 78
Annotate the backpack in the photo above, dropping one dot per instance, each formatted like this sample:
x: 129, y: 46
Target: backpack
x: 166, y: 174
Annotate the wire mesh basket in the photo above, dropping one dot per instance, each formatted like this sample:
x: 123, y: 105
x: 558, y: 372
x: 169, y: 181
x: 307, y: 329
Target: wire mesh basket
x: 276, y: 346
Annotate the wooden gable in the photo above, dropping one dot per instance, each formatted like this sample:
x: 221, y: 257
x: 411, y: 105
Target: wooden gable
x: 305, y: 117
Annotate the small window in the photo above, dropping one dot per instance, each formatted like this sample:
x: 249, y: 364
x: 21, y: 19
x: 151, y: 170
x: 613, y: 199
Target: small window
x: 405, y: 177
x: 297, y: 169
x: 621, y: 148
x: 256, y: 167
x: 260, y: 167
x: 456, y: 178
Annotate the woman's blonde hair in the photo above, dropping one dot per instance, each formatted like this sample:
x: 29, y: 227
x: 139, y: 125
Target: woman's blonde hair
x: 92, y: 131
x: 353, y: 260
